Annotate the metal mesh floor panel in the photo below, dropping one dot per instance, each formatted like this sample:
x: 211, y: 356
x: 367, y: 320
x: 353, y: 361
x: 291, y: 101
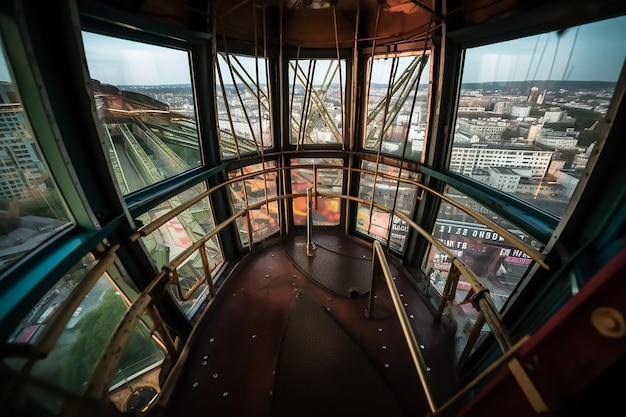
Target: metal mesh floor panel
x: 321, y: 371
x: 336, y: 267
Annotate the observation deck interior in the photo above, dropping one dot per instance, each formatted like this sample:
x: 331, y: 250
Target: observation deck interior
x: 284, y: 208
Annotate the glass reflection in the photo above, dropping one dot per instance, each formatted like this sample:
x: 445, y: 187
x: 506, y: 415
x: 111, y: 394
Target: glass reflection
x: 326, y: 210
x: 390, y: 193
x: 32, y: 210
x: 146, y: 106
x: 262, y: 221
x: 176, y: 235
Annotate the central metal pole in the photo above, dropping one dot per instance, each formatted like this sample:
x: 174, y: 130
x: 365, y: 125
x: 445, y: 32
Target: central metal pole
x: 310, y: 246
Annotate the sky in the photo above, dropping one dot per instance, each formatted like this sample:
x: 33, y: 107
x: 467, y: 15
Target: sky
x: 123, y: 62
x: 591, y: 52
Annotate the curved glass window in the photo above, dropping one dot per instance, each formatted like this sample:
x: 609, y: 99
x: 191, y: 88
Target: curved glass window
x: 243, y: 105
x: 71, y: 361
x: 326, y: 210
x: 316, y: 101
x: 32, y: 209
x: 146, y: 106
x: 173, y: 238
x: 397, y: 105
x: 383, y: 189
x: 255, y: 193
x: 529, y: 110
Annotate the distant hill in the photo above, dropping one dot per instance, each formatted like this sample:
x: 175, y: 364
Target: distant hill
x: 541, y: 84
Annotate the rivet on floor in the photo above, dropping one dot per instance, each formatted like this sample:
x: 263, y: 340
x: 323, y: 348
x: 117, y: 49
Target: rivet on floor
x: 212, y: 340
x: 205, y: 357
x: 386, y: 365
x: 204, y: 362
x: 195, y: 384
x: 411, y: 316
x: 380, y: 329
x: 384, y: 347
x: 215, y: 375
x: 254, y: 336
x: 422, y: 346
x: 225, y: 394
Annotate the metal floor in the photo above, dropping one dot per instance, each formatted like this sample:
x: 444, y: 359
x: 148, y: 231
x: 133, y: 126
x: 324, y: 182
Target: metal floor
x: 287, y: 336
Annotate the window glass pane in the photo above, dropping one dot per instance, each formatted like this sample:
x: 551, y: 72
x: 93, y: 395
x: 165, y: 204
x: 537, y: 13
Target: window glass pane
x: 397, y: 105
x: 32, y: 209
x: 497, y: 263
x: 146, y: 106
x: 386, y: 191
x: 71, y: 361
x: 176, y: 235
x: 529, y: 110
x: 326, y: 210
x: 262, y: 219
x: 243, y: 105
x: 316, y: 101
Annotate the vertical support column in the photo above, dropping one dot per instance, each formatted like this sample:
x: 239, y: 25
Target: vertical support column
x: 310, y: 246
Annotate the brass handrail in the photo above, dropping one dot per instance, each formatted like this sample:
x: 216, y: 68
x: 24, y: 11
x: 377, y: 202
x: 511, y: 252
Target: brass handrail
x: 482, y: 293
x: 310, y: 246
x: 46, y: 342
x: 380, y: 269
x: 514, y: 240
x: 104, y: 370
x: 169, y: 274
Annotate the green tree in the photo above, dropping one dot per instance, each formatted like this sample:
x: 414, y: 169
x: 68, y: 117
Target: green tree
x: 96, y: 329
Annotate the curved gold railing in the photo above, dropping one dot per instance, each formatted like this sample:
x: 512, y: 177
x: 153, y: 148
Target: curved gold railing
x: 511, y: 238
x: 487, y: 311
x: 100, y: 381
x: 381, y: 272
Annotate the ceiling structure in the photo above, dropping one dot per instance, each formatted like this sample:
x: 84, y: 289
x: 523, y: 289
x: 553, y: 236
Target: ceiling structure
x: 318, y: 23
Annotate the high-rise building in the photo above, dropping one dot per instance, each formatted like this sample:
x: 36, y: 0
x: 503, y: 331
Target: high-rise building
x: 21, y: 171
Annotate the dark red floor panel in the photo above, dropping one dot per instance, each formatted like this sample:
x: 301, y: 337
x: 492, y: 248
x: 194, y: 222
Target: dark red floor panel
x: 347, y: 362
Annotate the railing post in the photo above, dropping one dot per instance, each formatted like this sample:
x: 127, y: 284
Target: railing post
x: 310, y: 246
x: 449, y: 290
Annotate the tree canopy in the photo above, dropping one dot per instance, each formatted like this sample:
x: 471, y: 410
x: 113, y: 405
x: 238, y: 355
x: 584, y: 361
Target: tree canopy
x: 95, y: 332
